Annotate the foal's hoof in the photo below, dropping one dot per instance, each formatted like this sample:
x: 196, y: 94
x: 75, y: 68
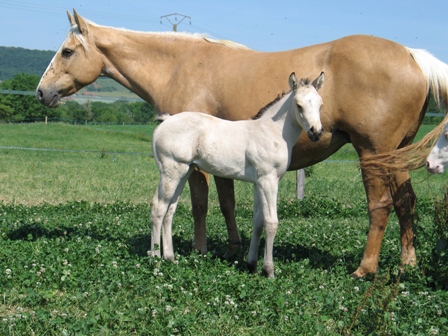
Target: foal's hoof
x: 268, y: 272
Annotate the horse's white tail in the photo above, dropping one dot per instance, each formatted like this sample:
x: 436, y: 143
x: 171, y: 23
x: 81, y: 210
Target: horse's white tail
x: 436, y: 74
x: 161, y: 117
x: 414, y: 156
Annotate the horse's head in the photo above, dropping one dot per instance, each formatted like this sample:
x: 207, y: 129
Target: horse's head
x: 75, y: 65
x: 437, y: 160
x: 307, y: 104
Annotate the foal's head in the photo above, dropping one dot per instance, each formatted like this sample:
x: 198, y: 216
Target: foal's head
x: 437, y: 161
x: 75, y: 65
x: 307, y: 104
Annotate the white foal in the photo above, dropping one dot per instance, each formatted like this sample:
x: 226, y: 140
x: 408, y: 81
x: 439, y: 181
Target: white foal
x: 257, y: 151
x: 437, y: 160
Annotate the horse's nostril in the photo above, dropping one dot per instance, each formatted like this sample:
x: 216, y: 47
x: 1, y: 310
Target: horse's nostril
x: 40, y: 94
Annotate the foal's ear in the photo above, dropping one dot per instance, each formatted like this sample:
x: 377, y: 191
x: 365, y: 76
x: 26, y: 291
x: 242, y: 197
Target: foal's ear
x: 319, y: 81
x: 293, y: 82
x: 81, y: 23
x: 71, y: 19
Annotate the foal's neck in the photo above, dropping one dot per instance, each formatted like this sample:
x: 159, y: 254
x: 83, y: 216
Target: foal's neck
x: 283, y: 116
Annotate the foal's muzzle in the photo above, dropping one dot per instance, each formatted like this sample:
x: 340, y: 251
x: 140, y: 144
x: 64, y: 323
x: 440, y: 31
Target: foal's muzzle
x: 315, y: 135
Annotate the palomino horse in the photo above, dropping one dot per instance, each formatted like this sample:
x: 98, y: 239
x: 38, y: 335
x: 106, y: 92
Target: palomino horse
x: 437, y: 160
x: 375, y: 98
x: 256, y: 151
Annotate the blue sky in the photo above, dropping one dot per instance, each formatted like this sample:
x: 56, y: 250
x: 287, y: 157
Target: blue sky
x: 261, y: 25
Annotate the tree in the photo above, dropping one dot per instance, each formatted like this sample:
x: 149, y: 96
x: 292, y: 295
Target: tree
x: 23, y: 107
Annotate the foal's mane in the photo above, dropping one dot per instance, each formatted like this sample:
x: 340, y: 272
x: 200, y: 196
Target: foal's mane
x: 268, y: 106
x: 303, y: 81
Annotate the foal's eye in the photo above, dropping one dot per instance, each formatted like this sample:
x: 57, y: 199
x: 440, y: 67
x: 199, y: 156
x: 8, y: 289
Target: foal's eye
x: 299, y: 107
x: 67, y: 52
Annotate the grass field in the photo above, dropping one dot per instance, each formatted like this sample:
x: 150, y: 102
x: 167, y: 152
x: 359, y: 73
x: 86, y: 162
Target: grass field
x: 74, y: 233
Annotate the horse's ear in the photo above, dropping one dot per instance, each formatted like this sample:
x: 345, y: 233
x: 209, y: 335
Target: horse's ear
x: 81, y: 23
x: 319, y: 81
x: 71, y: 19
x: 293, y: 82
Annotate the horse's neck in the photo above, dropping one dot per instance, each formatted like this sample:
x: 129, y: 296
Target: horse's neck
x: 284, y: 119
x: 141, y: 62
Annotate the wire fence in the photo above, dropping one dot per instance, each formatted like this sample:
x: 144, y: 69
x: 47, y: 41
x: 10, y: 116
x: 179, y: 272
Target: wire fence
x: 100, y: 152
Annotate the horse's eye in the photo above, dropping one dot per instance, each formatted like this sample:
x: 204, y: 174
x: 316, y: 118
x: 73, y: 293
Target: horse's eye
x: 446, y: 135
x: 299, y: 107
x: 67, y: 52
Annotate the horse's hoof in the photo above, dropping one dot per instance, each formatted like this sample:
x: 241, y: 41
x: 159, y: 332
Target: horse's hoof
x: 252, y: 267
x: 233, y: 249
x: 361, y: 272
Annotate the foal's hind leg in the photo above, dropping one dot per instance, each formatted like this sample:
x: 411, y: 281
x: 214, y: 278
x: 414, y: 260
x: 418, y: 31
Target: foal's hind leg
x: 163, y: 207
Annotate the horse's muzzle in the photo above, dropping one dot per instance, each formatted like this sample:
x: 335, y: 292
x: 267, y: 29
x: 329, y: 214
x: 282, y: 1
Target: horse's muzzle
x: 314, y: 135
x: 50, y: 99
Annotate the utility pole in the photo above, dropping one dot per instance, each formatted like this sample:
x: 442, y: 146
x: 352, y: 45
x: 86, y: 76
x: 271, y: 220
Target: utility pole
x: 181, y: 16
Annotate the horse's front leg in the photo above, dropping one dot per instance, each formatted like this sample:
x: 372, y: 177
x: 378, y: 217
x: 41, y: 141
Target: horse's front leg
x: 226, y: 195
x: 198, y: 182
x: 404, y: 203
x: 379, y: 202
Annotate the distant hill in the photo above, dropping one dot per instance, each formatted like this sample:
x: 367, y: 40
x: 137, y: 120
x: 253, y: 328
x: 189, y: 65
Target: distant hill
x: 34, y: 62
x: 16, y: 60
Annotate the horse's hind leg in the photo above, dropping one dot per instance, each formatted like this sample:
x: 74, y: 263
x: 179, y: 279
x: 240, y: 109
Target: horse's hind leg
x: 252, y: 257
x: 226, y: 195
x: 404, y: 202
x: 198, y: 182
x: 379, y: 206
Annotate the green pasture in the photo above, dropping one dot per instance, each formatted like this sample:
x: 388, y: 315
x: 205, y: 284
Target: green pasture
x: 74, y: 236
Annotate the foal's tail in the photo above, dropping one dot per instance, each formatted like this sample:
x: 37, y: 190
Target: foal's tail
x: 414, y: 156
x: 161, y: 117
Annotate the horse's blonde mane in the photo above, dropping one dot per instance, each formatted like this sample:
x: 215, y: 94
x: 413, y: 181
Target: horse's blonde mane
x: 227, y: 43
x: 183, y: 35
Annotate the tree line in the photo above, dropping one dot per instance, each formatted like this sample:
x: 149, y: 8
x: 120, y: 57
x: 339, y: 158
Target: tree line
x: 23, y: 108
x: 26, y: 108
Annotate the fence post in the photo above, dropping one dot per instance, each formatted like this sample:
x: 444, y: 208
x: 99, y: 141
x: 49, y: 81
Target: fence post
x: 46, y: 120
x: 300, y: 177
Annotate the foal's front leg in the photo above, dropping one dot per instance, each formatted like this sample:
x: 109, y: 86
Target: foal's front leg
x: 265, y: 215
